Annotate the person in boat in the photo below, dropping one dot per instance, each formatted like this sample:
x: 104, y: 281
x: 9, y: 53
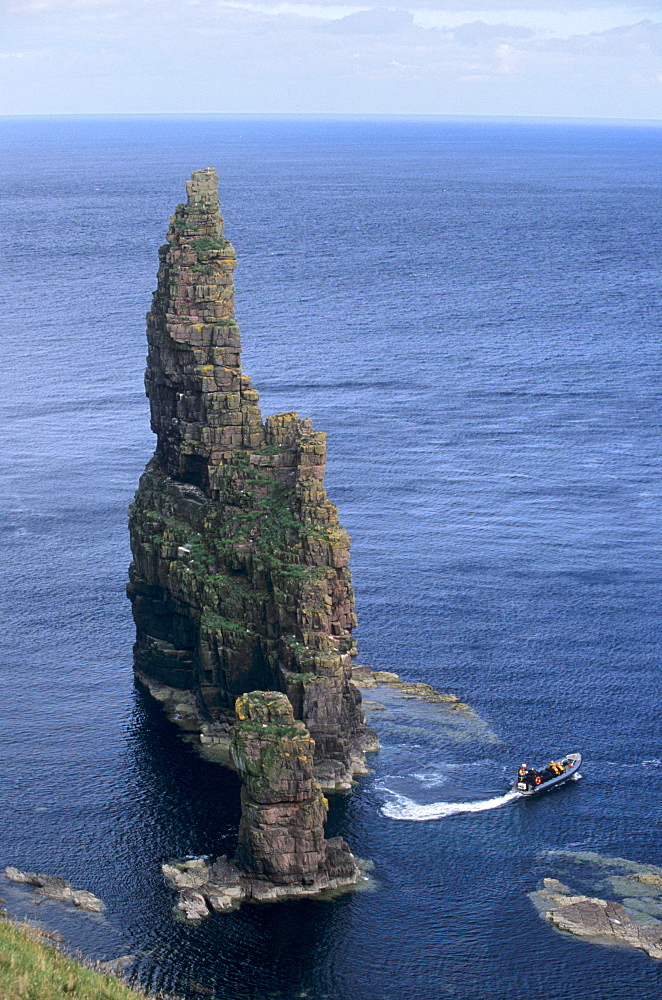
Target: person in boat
x: 525, y: 775
x: 551, y: 771
x: 533, y: 778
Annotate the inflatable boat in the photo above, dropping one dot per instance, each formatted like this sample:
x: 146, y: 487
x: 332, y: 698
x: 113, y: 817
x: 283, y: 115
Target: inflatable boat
x: 532, y: 782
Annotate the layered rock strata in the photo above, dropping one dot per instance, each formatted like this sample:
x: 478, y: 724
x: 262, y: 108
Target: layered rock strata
x: 240, y: 578
x: 282, y: 852
x: 283, y: 809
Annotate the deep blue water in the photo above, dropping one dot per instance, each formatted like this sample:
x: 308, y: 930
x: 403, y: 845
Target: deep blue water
x: 471, y: 310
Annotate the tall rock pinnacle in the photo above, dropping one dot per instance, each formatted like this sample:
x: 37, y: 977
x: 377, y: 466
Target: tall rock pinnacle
x: 202, y: 407
x: 239, y: 578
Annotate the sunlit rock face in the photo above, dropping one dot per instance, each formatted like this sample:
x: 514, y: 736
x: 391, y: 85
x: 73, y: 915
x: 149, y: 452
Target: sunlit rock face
x: 240, y: 578
x: 634, y: 921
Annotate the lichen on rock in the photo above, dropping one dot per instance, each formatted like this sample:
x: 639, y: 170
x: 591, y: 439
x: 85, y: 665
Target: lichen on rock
x: 240, y: 577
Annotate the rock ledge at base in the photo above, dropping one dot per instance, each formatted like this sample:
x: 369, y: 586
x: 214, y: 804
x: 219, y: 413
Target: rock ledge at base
x: 221, y: 886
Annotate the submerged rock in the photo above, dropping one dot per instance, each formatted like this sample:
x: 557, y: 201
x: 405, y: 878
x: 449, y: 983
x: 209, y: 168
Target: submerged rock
x: 116, y: 966
x: 650, y: 879
x: 240, y: 577
x: 364, y: 677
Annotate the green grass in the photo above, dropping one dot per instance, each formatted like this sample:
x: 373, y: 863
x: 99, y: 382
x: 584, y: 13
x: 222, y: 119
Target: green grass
x: 33, y: 970
x: 209, y: 243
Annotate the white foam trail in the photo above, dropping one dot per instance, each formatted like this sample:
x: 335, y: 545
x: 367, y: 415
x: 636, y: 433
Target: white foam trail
x: 400, y: 807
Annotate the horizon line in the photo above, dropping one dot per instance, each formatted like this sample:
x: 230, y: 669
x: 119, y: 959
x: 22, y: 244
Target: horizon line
x: 548, y: 119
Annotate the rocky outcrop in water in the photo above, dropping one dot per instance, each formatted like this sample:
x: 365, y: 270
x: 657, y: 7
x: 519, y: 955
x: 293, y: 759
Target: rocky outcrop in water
x: 634, y: 918
x: 603, y: 920
x: 56, y: 887
x: 240, y: 578
x: 282, y: 852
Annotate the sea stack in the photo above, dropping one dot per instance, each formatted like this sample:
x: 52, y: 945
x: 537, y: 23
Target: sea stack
x: 239, y: 580
x: 282, y: 853
x: 283, y: 809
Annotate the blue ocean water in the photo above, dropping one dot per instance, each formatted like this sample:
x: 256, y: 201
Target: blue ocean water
x: 471, y: 311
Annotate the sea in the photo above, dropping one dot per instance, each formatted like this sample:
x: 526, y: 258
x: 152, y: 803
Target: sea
x: 471, y: 310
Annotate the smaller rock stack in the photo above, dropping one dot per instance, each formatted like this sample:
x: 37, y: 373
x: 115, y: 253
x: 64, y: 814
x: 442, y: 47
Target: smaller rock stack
x: 282, y: 852
x: 56, y: 887
x: 281, y: 833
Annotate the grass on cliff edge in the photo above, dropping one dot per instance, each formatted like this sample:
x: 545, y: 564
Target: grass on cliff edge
x: 32, y: 970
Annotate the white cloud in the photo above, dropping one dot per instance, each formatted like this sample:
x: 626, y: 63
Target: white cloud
x: 385, y: 56
x: 477, y: 32
x: 24, y: 54
x: 378, y: 21
x: 45, y: 6
x: 637, y: 41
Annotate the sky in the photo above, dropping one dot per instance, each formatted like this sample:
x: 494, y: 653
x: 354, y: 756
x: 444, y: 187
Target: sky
x: 540, y: 58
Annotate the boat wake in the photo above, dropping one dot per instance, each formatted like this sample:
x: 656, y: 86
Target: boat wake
x: 400, y: 807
